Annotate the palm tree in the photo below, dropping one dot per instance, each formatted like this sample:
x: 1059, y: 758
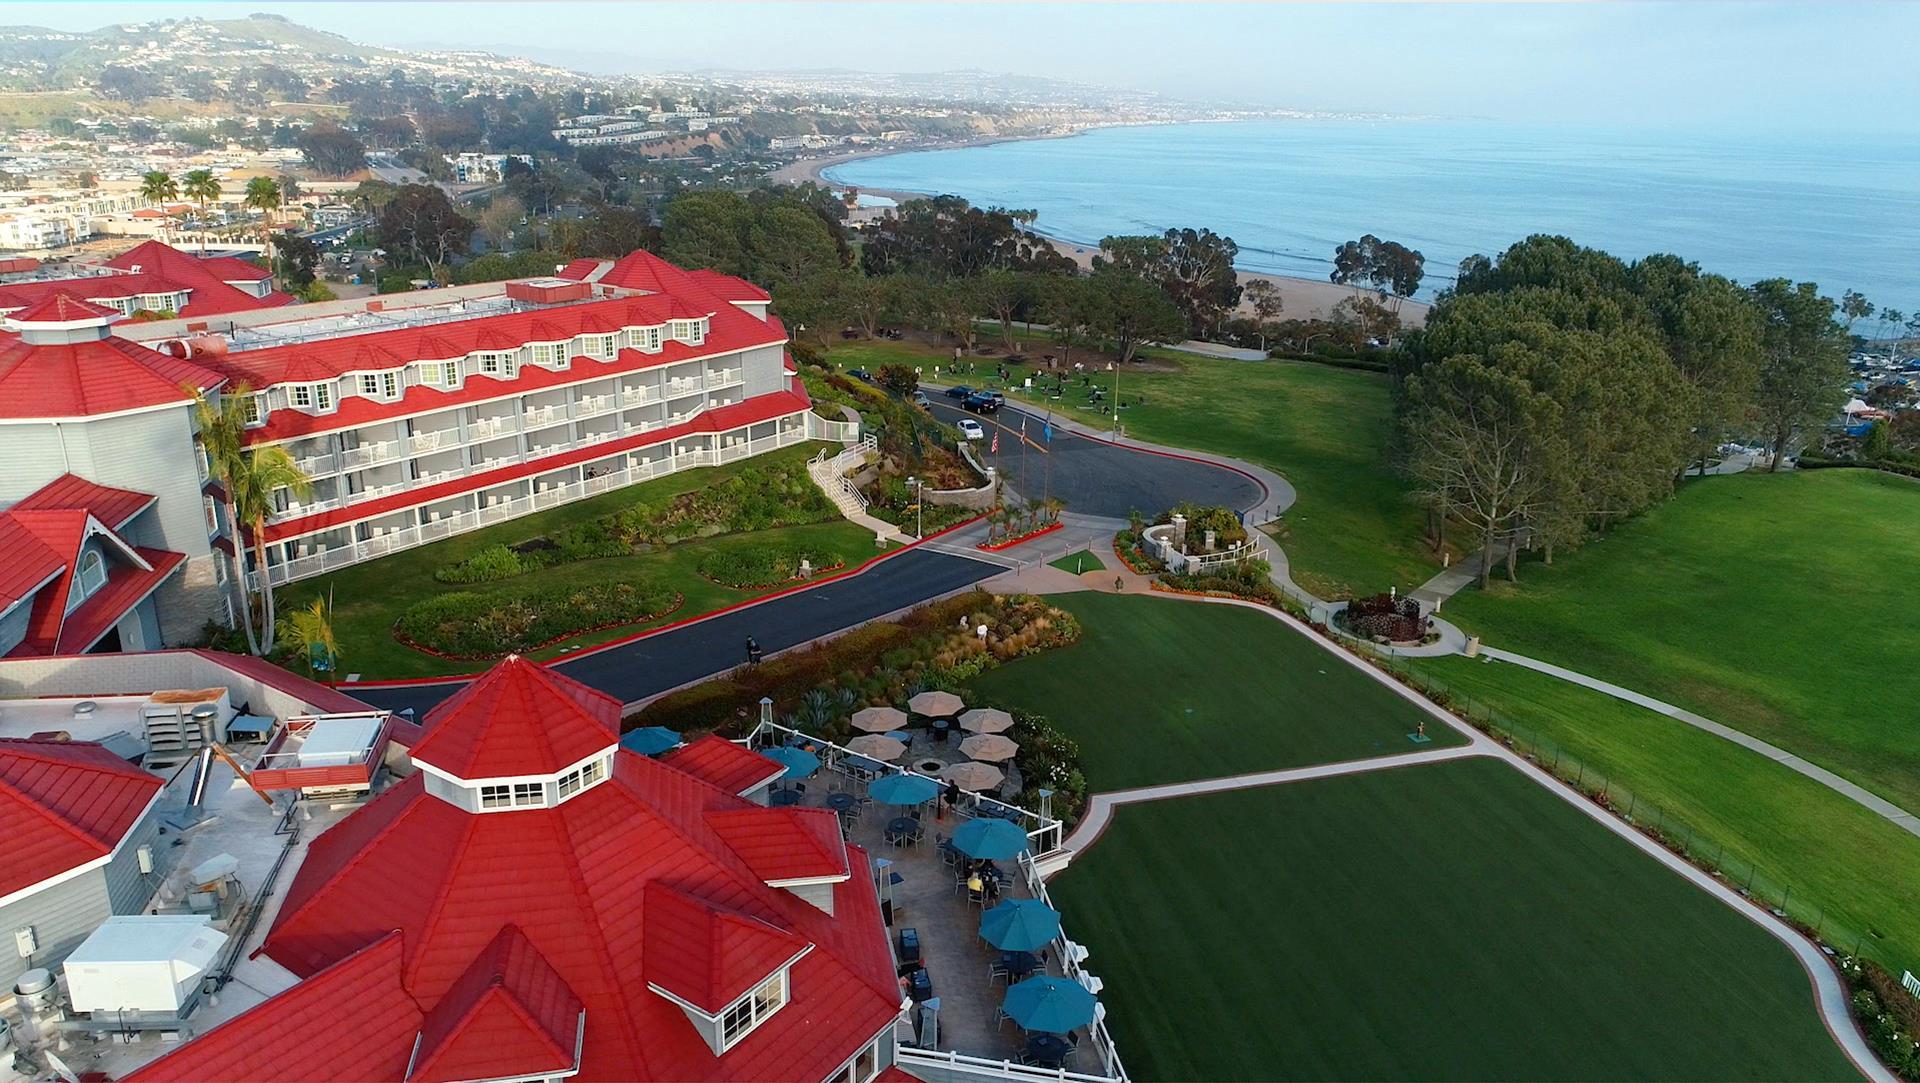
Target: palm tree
x: 157, y: 186
x: 223, y: 427
x: 201, y: 187
x: 263, y: 195
x: 262, y: 473
x: 311, y: 629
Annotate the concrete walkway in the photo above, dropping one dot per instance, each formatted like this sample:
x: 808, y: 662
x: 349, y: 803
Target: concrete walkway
x: 1830, y: 991
x: 1879, y: 806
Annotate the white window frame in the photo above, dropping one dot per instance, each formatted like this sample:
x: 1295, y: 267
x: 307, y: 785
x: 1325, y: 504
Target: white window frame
x: 553, y: 355
x: 503, y: 796
x: 441, y: 374
x: 582, y: 778
x: 300, y: 396
x: 93, y: 573
x: 499, y: 364
x: 384, y: 386
x: 745, y: 1015
x: 256, y: 409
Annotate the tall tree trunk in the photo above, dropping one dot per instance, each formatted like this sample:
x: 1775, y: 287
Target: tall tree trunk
x: 1486, y: 558
x: 240, y: 574
x: 1549, y: 551
x: 266, y: 588
x: 1513, y: 552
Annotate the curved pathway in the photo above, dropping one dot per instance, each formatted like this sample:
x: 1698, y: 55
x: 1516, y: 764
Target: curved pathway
x: 1830, y: 991
x: 1880, y: 806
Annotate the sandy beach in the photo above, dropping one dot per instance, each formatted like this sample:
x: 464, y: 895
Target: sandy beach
x: 1304, y: 298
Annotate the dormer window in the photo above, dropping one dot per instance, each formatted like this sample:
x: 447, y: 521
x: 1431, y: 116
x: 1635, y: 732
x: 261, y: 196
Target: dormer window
x: 93, y: 573
x: 584, y: 777
x: 380, y: 385
x: 254, y: 408
x: 441, y: 374
x: 599, y: 347
x: 552, y: 355
x: 644, y: 339
x: 752, y: 1010
x: 314, y: 398
x: 503, y: 365
x: 691, y: 332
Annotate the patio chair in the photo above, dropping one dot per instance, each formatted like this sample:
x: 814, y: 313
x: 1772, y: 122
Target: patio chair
x: 997, y: 971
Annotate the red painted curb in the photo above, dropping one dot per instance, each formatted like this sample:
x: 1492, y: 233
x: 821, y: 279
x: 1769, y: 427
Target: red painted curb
x: 462, y: 678
x: 1021, y: 540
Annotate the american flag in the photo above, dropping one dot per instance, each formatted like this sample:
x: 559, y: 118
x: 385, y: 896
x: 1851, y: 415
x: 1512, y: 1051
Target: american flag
x: 995, y: 449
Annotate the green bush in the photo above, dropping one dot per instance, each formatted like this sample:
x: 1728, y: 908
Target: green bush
x: 756, y: 498
x: 464, y: 624
x: 762, y: 566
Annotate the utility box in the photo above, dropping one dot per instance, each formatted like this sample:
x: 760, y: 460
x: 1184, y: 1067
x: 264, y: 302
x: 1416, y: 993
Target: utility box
x: 142, y: 963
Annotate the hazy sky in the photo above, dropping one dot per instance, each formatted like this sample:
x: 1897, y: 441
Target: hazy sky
x: 1806, y: 66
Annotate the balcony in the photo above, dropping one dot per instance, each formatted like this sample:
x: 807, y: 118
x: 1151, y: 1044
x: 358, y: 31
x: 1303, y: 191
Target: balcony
x: 593, y: 405
x: 543, y: 415
x: 489, y: 427
x: 314, y: 465
x: 634, y: 396
x: 366, y: 455
x: 723, y: 378
x: 433, y: 441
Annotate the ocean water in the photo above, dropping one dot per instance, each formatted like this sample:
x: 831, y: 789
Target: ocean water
x: 1845, y: 214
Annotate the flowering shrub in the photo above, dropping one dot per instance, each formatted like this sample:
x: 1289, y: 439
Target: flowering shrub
x: 1396, y: 619
x: 765, y: 565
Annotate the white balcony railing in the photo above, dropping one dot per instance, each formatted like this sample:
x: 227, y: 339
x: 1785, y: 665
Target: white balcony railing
x: 366, y: 455
x: 543, y: 415
x: 593, y: 405
x: 432, y: 441
x: 312, y: 558
x: 324, y: 463
x: 487, y: 427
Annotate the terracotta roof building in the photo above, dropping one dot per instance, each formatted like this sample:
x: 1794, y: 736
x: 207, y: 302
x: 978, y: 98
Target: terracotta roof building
x: 535, y: 902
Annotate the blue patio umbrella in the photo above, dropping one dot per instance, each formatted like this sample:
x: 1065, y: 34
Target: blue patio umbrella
x: 1049, y: 1005
x: 994, y: 840
x: 1020, y: 925
x: 903, y: 789
x: 798, y: 761
x: 650, y: 740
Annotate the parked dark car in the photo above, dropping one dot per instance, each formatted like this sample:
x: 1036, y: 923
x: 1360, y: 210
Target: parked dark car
x: 981, y: 402
x: 861, y: 374
x: 960, y: 391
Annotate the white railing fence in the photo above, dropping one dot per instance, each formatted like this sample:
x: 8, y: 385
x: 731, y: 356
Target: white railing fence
x: 446, y: 524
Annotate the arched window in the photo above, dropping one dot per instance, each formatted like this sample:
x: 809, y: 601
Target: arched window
x: 93, y: 572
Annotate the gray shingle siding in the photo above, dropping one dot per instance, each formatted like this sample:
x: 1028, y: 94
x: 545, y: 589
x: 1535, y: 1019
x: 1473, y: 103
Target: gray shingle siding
x: 62, y: 917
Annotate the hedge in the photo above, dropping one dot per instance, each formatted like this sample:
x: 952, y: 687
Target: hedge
x: 467, y: 625
x: 763, y: 566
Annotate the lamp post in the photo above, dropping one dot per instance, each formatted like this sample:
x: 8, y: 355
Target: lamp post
x: 919, y: 511
x: 1115, y: 366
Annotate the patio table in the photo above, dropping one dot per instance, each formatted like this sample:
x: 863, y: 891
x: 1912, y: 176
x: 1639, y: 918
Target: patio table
x: 941, y: 727
x: 842, y: 802
x: 901, y: 828
x: 1048, y: 1050
x: 782, y: 798
x: 1019, y: 963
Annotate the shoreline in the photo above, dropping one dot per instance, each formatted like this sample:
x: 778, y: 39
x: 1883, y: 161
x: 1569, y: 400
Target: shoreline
x: 1303, y: 298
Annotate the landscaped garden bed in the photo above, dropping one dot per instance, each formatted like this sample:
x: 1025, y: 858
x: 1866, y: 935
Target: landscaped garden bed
x: 468, y: 626
x: 755, y: 498
x: 767, y: 566
x: 1385, y: 618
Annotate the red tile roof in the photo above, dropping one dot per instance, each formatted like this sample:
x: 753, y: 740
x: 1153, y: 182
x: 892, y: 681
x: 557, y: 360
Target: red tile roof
x: 707, y: 954
x: 109, y: 505
x: 86, y: 379
x: 519, y: 718
x: 510, y: 1014
x: 728, y: 288
x: 205, y: 277
x: 350, y: 1023
x: 235, y: 269
x: 719, y: 762
x: 62, y: 306
x: 642, y: 270
x: 30, y: 563
x: 63, y: 804
x: 126, y: 588
x: 582, y: 882
x: 784, y: 843
x: 723, y: 419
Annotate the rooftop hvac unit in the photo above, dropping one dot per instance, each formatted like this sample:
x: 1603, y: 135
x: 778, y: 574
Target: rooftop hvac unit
x: 142, y: 963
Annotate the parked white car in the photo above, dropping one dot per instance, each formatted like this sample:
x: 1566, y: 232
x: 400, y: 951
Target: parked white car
x: 971, y: 430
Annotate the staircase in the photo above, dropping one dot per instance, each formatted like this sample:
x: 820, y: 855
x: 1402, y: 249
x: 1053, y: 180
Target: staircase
x: 830, y: 474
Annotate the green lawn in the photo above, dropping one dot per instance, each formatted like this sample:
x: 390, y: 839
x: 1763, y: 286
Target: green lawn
x: 1082, y: 560
x: 1781, y: 605
x: 1447, y: 921
x: 369, y: 597
x: 1161, y: 690
x: 1841, y: 867
x: 1353, y: 530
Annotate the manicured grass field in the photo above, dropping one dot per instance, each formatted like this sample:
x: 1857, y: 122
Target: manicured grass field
x: 1839, y: 866
x: 1082, y: 560
x: 1447, y: 921
x: 1353, y: 530
x: 1780, y: 605
x: 369, y: 597
x: 1162, y: 690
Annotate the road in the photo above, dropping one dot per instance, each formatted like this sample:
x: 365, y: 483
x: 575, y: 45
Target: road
x: 690, y: 652
x: 1094, y: 477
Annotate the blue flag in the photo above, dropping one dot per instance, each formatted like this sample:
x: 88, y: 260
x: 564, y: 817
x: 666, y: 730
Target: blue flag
x: 1046, y: 432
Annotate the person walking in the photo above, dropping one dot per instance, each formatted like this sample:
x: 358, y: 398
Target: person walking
x: 753, y: 651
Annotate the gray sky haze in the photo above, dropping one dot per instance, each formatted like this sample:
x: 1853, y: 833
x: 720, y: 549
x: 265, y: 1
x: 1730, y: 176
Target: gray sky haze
x: 1748, y: 67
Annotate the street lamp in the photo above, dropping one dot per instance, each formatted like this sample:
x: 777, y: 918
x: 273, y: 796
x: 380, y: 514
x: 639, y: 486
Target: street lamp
x: 919, y: 511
